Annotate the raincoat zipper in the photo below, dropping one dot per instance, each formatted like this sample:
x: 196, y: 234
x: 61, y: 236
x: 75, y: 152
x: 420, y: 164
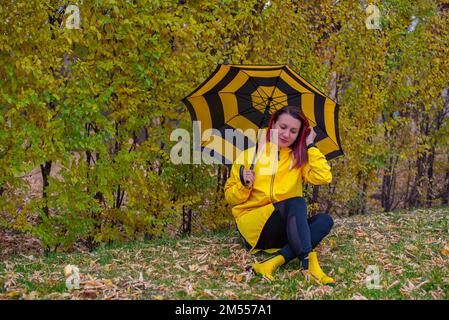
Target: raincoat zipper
x: 273, y: 176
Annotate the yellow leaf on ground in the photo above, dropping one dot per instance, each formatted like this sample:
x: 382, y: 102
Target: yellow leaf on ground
x: 108, y: 282
x: 445, y: 250
x: 13, y: 294
x: 239, y: 278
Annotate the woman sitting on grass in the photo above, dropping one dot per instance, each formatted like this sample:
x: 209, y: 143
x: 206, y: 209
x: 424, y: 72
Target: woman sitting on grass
x: 268, y: 203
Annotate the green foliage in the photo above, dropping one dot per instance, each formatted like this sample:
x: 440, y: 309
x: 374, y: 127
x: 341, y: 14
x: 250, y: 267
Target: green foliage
x: 98, y: 103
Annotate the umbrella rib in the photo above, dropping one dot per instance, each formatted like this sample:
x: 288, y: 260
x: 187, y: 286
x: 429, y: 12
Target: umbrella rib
x: 256, y: 84
x: 233, y: 93
x: 214, y: 93
x: 263, y: 103
x: 244, y: 112
x: 278, y: 103
x: 275, y: 85
x: 250, y: 110
x: 288, y: 96
x: 254, y: 104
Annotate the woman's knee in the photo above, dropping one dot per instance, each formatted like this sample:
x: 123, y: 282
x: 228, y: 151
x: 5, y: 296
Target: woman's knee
x: 325, y: 220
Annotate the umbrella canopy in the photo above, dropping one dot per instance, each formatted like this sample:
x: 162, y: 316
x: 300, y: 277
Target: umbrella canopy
x: 244, y: 96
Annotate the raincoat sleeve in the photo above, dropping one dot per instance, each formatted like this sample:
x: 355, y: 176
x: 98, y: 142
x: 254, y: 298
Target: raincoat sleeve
x: 316, y: 171
x: 235, y: 192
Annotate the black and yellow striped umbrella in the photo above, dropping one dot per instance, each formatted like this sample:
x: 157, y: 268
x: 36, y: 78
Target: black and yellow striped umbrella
x: 243, y: 97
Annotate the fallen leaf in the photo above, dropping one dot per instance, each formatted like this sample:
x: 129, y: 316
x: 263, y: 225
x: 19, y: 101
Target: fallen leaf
x: 422, y: 283
x: 108, y: 282
x: 230, y: 294
x: 395, y: 283
x: 194, y: 267
x: 149, y: 271
x: 358, y: 296
x: 33, y: 295
x: 207, y: 293
x: 360, y: 233
x: 239, y: 278
x: 189, y: 289
x: 55, y: 296
x: 13, y: 294
x: 93, y: 284
x: 90, y: 294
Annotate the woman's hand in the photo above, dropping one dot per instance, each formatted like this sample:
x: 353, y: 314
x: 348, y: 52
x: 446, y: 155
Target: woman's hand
x: 249, y: 176
x: 311, y: 136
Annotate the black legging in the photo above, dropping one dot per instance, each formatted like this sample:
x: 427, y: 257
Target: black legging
x: 288, y: 228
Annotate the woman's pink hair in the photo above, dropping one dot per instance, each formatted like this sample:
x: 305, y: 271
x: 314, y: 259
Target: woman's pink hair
x: 298, y: 147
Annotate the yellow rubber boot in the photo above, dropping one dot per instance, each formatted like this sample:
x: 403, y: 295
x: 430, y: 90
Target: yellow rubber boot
x: 316, y: 272
x: 268, y: 267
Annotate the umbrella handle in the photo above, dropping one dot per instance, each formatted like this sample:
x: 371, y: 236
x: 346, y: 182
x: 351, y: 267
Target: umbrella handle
x: 242, y: 167
x: 242, y: 180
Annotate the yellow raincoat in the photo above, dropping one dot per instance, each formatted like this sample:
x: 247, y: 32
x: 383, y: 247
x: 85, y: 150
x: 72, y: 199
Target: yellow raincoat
x: 276, y: 180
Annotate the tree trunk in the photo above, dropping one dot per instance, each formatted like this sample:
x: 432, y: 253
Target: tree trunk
x: 406, y: 199
x: 417, y: 184
x: 222, y: 177
x: 363, y: 197
x: 186, y: 221
x: 329, y: 200
x: 315, y: 198
x: 445, y: 195
x: 119, y: 197
x: 90, y: 240
x: 430, y: 192
x: 89, y: 158
x: 388, y: 185
x: 45, y: 171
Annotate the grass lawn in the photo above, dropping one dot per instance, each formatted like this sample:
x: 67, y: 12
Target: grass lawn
x: 409, y: 249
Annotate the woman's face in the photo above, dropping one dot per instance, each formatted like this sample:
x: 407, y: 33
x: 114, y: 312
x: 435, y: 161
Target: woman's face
x: 288, y: 129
